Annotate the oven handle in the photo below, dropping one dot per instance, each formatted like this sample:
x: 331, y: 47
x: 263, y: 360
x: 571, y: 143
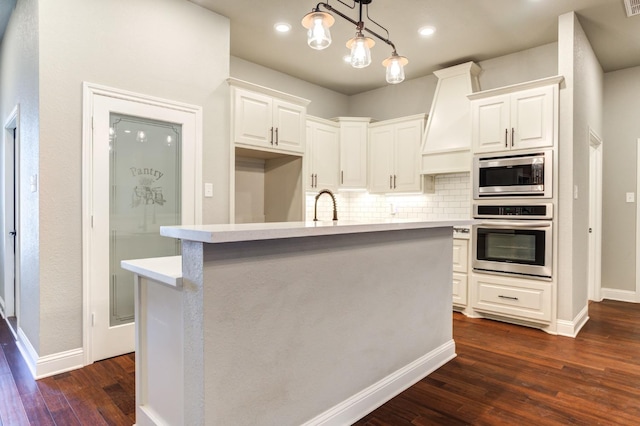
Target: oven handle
x: 517, y: 224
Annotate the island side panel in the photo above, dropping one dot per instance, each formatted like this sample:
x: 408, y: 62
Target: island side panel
x: 293, y: 327
x: 193, y: 326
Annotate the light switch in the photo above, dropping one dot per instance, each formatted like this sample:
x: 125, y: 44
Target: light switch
x: 575, y: 192
x: 208, y: 190
x: 631, y: 197
x: 33, y: 183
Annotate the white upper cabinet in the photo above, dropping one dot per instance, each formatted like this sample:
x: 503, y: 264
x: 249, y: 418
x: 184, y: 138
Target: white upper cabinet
x: 394, y: 155
x: 523, y: 116
x: 354, y: 133
x: 322, y: 157
x: 266, y: 119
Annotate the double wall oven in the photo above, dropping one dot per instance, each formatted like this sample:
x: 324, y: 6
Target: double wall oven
x: 513, y: 203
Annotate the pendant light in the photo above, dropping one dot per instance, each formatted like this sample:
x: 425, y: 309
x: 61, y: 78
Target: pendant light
x: 360, y: 47
x: 318, y: 37
x: 317, y: 23
x: 395, y: 68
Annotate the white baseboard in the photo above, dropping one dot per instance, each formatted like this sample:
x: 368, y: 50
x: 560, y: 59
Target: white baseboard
x: 377, y: 394
x: 620, y: 295
x: 572, y: 328
x: 48, y: 365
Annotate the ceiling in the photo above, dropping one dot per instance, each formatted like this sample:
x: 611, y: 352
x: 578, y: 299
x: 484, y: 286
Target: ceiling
x: 465, y: 30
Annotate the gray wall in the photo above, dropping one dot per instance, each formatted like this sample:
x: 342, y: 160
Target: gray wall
x: 170, y: 49
x: 19, y: 86
x: 415, y: 96
x: 581, y: 110
x: 325, y: 103
x: 399, y: 100
x: 620, y: 139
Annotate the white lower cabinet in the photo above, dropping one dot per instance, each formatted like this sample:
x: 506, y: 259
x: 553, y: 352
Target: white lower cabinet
x: 460, y: 272
x: 528, y: 300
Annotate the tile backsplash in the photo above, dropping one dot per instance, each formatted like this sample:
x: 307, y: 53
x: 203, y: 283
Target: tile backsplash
x: 451, y: 200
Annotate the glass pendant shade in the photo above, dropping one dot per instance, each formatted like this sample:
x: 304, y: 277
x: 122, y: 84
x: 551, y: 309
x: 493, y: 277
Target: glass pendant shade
x: 360, y: 50
x: 395, y: 68
x: 318, y: 34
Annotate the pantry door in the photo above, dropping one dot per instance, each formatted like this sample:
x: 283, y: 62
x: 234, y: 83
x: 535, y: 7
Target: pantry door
x: 143, y: 175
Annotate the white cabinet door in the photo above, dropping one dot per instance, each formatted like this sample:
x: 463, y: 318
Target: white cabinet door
x: 252, y: 124
x: 322, y: 155
x: 408, y: 137
x: 394, y: 155
x: 490, y: 123
x: 353, y: 154
x: 268, y: 123
x: 532, y: 118
x: 460, y: 255
x: 525, y: 119
x: 381, y: 148
x: 289, y: 126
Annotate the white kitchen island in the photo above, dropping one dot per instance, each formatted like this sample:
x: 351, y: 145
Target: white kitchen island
x: 290, y: 323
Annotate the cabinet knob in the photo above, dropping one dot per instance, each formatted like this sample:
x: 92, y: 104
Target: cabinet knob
x: 513, y: 131
x: 271, y: 141
x: 506, y: 136
x: 276, y: 136
x: 390, y: 182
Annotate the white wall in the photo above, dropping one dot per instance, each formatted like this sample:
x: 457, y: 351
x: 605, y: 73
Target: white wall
x: 170, y: 49
x: 621, y: 132
x: 19, y: 86
x: 580, y: 109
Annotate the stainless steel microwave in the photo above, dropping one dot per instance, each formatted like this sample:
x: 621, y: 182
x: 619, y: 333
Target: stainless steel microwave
x: 515, y: 175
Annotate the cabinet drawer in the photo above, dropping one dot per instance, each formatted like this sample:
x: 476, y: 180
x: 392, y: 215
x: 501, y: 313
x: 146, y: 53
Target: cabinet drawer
x: 525, y: 299
x: 460, y: 255
x: 460, y: 289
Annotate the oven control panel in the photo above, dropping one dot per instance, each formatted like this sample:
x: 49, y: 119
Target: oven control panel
x: 519, y: 211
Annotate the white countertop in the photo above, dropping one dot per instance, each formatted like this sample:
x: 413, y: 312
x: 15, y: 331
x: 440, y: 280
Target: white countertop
x: 167, y: 270
x: 269, y: 231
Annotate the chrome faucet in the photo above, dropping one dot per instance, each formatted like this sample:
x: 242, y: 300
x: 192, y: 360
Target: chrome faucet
x: 335, y: 207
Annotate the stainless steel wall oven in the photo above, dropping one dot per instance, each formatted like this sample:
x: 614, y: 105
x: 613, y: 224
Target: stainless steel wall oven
x: 514, y: 239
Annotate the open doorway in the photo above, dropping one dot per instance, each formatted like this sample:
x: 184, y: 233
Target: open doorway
x: 9, y: 287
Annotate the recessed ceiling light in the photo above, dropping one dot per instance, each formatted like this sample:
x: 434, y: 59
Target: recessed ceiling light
x: 282, y: 27
x: 426, y: 31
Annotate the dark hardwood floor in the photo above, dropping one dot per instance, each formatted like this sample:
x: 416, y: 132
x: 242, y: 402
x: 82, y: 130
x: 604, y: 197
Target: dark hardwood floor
x: 100, y: 394
x: 503, y: 375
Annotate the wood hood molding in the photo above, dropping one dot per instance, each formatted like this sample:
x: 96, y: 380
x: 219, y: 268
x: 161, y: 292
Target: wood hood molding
x: 446, y: 147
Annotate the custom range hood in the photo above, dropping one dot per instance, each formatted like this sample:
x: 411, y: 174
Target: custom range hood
x: 446, y: 146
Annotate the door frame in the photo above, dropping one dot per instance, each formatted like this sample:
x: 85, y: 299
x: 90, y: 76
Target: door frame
x: 11, y: 186
x: 595, y: 217
x: 90, y: 92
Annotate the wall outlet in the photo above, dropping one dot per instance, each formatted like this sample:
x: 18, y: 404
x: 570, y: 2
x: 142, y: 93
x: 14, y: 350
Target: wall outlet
x: 392, y: 209
x: 631, y: 197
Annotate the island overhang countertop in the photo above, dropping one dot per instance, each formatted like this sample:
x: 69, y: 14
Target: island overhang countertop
x: 227, y: 233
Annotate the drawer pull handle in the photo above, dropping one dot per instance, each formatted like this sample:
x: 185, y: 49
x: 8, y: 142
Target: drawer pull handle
x: 507, y: 297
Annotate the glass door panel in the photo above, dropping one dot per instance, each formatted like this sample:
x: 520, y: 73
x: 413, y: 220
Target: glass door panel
x: 145, y: 193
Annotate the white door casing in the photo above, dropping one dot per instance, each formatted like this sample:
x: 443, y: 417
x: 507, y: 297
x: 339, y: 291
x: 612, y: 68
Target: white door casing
x: 100, y: 339
x: 595, y: 216
x: 10, y: 195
